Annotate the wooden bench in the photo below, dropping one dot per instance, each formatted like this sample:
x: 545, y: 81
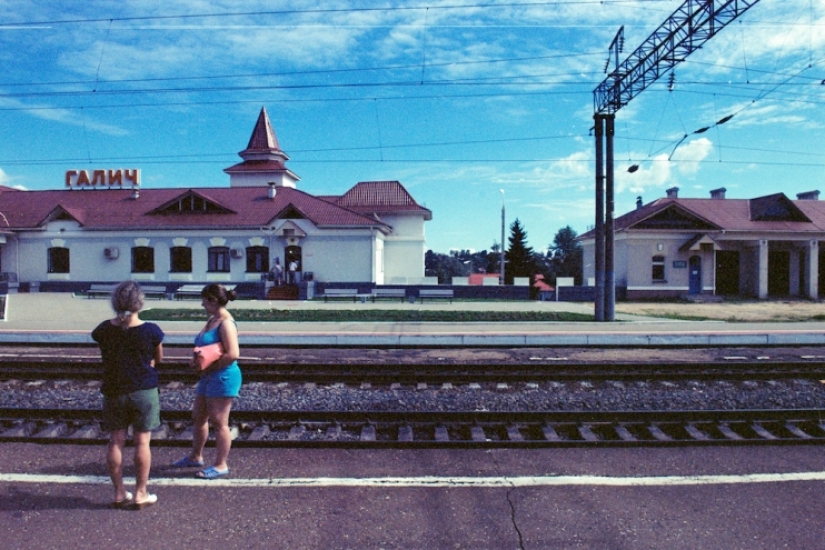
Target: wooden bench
x: 188, y: 291
x: 436, y: 294
x: 100, y: 290
x: 194, y: 291
x: 380, y: 293
x: 340, y: 293
x: 155, y: 291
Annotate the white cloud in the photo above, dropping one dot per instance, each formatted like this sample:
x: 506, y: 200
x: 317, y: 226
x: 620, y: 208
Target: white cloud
x: 8, y: 181
x: 689, y: 156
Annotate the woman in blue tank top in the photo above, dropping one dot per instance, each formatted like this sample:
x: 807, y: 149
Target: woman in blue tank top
x: 220, y: 383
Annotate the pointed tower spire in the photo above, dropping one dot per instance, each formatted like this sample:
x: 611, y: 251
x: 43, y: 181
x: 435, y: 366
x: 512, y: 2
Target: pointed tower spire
x: 263, y: 136
x: 263, y: 160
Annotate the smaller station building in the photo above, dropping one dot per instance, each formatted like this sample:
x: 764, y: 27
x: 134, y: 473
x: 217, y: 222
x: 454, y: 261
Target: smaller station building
x: 689, y: 247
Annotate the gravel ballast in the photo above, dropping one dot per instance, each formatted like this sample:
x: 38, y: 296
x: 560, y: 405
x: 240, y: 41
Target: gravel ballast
x: 535, y: 397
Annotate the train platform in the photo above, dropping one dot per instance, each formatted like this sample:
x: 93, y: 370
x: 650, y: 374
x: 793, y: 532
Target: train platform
x: 64, y: 318
x: 720, y: 497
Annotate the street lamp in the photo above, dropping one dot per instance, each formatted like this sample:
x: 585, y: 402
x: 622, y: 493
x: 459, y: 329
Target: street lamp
x: 270, y: 230
x: 502, y: 236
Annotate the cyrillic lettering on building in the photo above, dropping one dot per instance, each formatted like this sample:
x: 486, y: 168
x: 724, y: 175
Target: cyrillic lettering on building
x: 107, y: 178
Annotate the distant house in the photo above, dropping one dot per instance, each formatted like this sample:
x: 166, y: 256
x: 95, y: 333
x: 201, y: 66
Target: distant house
x: 478, y: 278
x: 674, y: 247
x: 94, y: 231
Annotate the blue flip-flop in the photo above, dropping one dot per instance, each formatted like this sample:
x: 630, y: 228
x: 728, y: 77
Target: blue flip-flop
x: 211, y: 473
x: 187, y: 462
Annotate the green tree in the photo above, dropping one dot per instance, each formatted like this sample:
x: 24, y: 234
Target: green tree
x: 444, y: 266
x: 519, y: 258
x: 566, y: 254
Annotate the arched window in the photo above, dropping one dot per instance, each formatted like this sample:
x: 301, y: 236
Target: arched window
x: 143, y: 259
x: 218, y: 261
x: 58, y: 260
x: 180, y: 259
x: 257, y: 259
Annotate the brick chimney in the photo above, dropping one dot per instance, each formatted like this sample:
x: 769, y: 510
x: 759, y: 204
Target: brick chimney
x: 638, y: 203
x: 718, y: 193
x: 673, y: 193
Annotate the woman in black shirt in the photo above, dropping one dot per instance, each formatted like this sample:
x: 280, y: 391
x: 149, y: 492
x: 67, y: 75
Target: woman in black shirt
x: 131, y: 350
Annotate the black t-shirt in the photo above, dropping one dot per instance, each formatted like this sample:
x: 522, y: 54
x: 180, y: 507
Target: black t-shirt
x: 127, y: 356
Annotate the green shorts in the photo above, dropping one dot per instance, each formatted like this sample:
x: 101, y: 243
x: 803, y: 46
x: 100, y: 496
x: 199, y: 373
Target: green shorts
x: 139, y: 409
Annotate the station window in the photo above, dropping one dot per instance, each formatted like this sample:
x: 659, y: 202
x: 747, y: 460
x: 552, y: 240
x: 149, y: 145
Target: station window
x: 143, y: 259
x: 180, y: 259
x: 658, y: 268
x: 218, y: 261
x: 58, y: 260
x: 257, y: 259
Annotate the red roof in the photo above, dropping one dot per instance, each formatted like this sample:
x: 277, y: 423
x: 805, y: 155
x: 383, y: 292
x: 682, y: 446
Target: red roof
x: 380, y: 197
x: 731, y: 214
x: 263, y: 136
x: 236, y: 207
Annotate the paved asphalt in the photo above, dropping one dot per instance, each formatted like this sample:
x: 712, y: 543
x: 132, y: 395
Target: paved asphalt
x: 64, y: 318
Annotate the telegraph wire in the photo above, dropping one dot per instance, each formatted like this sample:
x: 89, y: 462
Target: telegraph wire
x: 259, y: 13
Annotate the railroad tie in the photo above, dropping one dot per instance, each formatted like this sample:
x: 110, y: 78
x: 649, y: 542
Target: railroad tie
x: 405, y: 433
x: 333, y: 432
x: 259, y: 433
x: 696, y: 433
x: 441, y: 434
x: 587, y: 433
x: 89, y: 431
x: 368, y: 433
x: 514, y: 434
x: 657, y: 432
x: 728, y: 432
x: 796, y: 430
x: 624, y: 433
x: 296, y: 432
x: 762, y: 432
x: 550, y: 433
x: 52, y: 430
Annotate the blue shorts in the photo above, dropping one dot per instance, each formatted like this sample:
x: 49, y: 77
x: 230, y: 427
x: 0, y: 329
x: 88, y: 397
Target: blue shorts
x: 139, y: 409
x: 223, y: 383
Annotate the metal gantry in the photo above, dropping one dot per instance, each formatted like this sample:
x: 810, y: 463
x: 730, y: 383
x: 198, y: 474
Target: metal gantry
x: 687, y: 29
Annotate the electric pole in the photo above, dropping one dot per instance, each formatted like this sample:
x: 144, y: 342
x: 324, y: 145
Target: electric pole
x: 686, y: 30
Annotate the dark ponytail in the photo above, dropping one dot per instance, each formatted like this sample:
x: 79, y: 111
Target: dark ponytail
x: 218, y: 293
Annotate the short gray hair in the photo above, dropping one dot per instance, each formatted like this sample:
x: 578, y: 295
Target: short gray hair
x: 127, y: 298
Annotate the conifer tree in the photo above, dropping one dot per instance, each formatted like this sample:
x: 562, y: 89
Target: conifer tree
x: 518, y: 258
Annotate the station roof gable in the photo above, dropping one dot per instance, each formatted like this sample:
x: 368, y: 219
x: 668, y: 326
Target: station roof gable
x: 191, y: 202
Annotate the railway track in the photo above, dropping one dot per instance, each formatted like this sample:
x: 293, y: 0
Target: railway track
x: 376, y: 369
x: 377, y: 429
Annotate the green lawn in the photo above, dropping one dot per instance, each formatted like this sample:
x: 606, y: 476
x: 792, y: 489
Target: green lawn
x: 370, y: 316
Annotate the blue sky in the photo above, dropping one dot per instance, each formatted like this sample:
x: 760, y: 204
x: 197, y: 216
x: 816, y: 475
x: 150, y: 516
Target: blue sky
x: 455, y: 99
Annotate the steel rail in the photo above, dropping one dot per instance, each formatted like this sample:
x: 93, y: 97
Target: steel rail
x: 371, y: 429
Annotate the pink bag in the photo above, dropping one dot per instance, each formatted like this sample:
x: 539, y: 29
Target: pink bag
x: 208, y: 354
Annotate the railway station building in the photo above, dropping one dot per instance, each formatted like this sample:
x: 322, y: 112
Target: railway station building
x: 765, y: 247
x: 103, y: 227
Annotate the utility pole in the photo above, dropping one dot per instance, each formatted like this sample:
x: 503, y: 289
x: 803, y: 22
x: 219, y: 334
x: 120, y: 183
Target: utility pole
x: 502, y: 236
x: 686, y: 30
